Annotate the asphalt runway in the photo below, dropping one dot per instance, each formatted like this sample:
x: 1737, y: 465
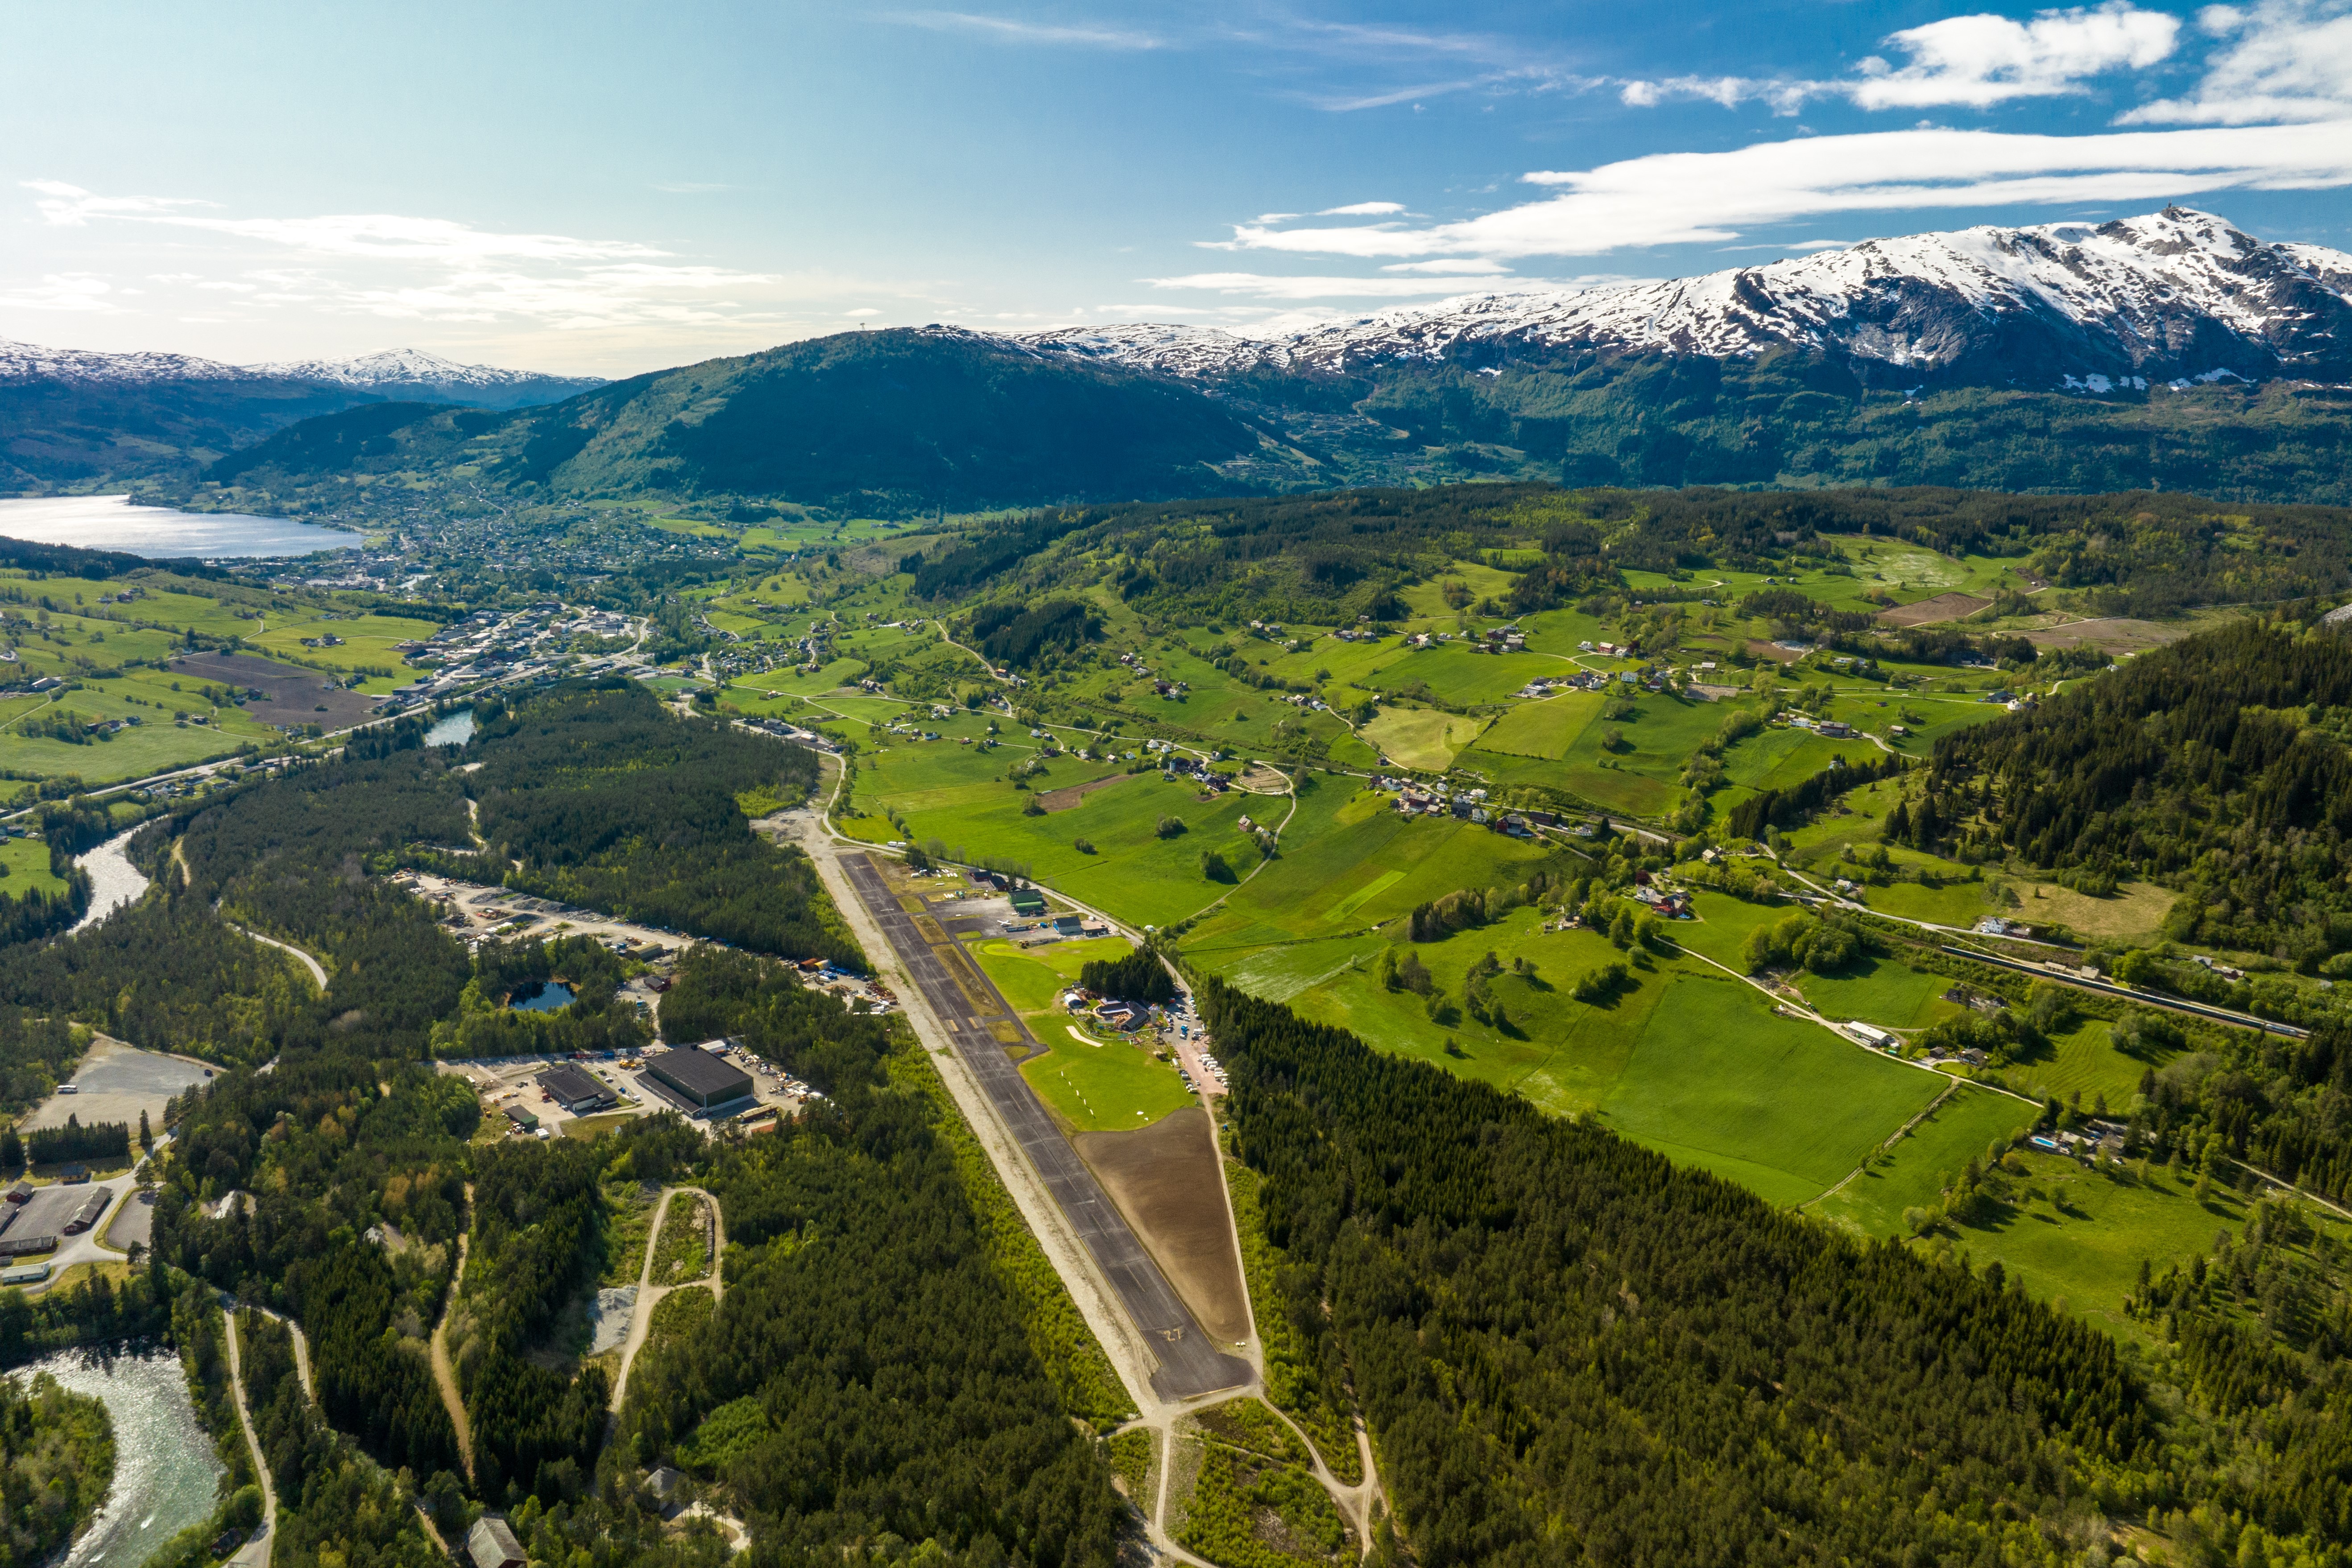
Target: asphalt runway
x: 1190, y: 1363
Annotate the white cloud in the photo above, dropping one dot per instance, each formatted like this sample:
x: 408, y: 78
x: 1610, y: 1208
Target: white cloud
x: 1974, y: 61
x: 1013, y: 30
x: 1458, y: 265
x: 70, y: 207
x: 2292, y: 59
x: 425, y: 269
x: 60, y: 291
x: 1363, y: 209
x: 1712, y: 198
x: 1985, y: 60
x: 1265, y: 285
x: 869, y: 311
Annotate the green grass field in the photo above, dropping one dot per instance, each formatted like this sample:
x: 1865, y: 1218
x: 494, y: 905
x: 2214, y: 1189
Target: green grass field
x: 1912, y: 1174
x: 1457, y: 674
x: 1880, y: 991
x: 1114, y: 1088
x: 1423, y: 738
x: 28, y: 870
x: 1717, y: 1079
x: 1546, y: 728
x: 1033, y: 979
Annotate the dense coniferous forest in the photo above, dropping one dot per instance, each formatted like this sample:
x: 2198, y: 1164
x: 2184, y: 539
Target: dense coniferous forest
x: 860, y: 1300
x: 612, y: 802
x: 1569, y: 1351
x: 351, y: 1136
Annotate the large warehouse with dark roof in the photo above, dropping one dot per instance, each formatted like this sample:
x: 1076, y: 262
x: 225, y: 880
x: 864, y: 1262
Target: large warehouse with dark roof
x: 699, y: 1083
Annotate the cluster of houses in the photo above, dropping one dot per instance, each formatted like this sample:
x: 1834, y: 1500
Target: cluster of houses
x: 1828, y: 729
x: 1192, y: 770
x: 1666, y: 903
x: 1500, y: 639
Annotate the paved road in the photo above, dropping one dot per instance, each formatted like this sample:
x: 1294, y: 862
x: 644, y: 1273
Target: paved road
x: 1190, y: 1361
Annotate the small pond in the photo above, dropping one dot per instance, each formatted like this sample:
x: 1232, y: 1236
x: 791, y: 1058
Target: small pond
x: 451, y: 729
x: 539, y: 996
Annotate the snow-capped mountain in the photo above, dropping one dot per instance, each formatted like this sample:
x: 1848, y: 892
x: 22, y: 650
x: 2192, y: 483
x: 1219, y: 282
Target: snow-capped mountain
x: 411, y: 369
x: 2177, y: 296
x: 32, y: 361
x: 396, y: 373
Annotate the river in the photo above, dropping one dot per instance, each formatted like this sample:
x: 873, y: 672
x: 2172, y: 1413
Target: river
x: 114, y: 881
x: 166, y: 1476
x: 160, y: 534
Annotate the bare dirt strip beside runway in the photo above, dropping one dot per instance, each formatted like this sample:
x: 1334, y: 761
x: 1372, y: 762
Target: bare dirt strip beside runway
x: 1189, y: 1362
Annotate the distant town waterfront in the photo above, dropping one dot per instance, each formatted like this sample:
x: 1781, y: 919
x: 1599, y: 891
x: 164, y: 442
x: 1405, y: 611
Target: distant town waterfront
x: 112, y: 523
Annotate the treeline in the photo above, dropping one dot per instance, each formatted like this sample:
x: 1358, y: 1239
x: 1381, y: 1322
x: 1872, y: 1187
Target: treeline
x: 323, y: 1154
x: 90, y: 1311
x: 34, y: 914
x: 1569, y: 1351
x: 335, y: 1509
x: 166, y: 973
x: 1138, y: 975
x: 867, y: 1372
x: 373, y: 1380
x: 612, y: 802
x: 36, y: 1053
x: 97, y: 1141
x: 2214, y: 764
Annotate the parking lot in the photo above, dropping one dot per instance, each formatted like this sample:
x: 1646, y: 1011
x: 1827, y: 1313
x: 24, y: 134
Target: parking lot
x: 115, y: 1082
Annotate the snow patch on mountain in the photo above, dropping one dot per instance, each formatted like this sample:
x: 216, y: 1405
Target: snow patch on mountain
x: 393, y: 369
x: 2170, y: 295
x: 411, y: 367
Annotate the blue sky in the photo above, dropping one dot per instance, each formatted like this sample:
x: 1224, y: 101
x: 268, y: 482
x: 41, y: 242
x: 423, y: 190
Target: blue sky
x: 607, y: 189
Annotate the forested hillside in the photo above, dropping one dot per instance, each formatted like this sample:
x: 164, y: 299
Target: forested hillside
x: 610, y: 801
x: 902, y: 422
x: 1569, y: 1351
x: 2217, y: 765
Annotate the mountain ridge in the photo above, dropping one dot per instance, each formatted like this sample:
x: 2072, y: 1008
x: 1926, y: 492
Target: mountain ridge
x: 2177, y: 296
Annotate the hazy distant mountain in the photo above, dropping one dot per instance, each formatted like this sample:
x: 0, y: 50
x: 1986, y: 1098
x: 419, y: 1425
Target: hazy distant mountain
x: 75, y: 417
x: 414, y: 374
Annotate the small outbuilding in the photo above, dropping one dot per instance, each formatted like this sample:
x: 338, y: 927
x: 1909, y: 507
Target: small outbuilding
x: 492, y: 1545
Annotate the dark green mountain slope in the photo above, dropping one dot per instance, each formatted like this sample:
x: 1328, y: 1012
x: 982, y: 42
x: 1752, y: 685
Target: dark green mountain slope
x: 60, y: 434
x: 905, y: 420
